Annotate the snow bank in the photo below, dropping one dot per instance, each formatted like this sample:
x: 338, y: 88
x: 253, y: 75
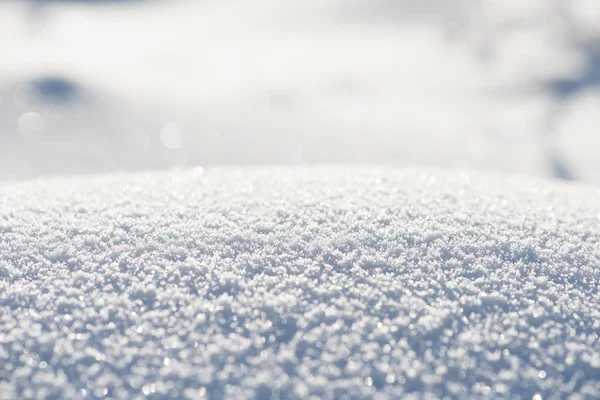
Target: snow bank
x: 300, y: 282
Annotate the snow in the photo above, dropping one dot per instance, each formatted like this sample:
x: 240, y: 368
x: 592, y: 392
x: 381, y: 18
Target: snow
x: 485, y: 84
x: 121, y: 277
x: 297, y: 282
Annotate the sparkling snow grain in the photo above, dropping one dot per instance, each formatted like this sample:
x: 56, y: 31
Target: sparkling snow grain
x: 287, y: 283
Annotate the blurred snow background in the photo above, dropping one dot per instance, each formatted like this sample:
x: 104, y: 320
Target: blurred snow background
x: 504, y: 85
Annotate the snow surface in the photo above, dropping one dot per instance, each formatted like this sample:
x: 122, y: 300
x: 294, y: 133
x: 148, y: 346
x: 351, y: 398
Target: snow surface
x: 310, y: 281
x: 504, y: 85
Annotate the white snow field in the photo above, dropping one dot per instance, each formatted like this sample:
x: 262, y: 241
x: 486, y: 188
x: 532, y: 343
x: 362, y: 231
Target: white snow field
x: 100, y: 86
x: 303, y: 282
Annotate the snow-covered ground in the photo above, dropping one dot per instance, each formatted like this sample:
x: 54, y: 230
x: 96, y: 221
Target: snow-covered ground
x: 296, y: 282
x: 131, y: 266
x: 497, y: 85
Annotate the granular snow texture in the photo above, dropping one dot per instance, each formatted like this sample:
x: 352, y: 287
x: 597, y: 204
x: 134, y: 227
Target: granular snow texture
x: 317, y: 282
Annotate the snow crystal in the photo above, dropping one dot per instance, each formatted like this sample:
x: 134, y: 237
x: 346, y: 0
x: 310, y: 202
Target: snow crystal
x: 297, y: 282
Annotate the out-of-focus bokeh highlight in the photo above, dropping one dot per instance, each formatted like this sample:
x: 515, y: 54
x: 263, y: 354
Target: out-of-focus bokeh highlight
x: 98, y: 86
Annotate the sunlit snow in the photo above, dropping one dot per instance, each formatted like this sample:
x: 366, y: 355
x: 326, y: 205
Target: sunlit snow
x: 190, y: 207
x: 297, y: 282
x: 494, y: 85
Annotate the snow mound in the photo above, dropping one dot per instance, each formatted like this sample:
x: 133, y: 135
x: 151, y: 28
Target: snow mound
x: 284, y: 283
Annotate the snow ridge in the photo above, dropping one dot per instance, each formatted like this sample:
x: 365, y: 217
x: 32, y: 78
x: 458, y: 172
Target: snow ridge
x: 304, y: 282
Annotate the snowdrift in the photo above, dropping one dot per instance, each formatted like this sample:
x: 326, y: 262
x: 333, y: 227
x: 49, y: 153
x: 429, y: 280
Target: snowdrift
x: 298, y: 282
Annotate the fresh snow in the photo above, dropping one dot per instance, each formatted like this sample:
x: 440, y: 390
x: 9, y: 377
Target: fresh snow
x: 317, y: 282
